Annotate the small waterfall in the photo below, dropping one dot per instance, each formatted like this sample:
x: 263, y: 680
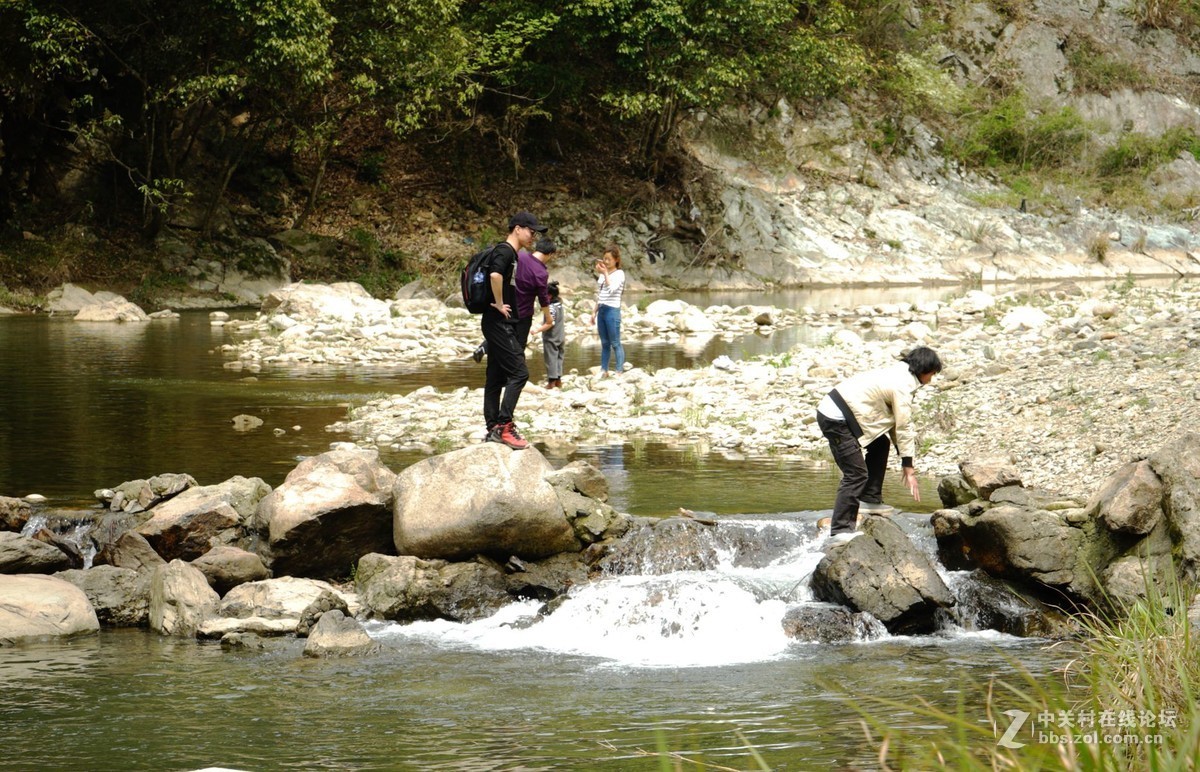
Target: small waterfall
x: 686, y: 594
x: 988, y: 606
x: 69, y: 531
x: 728, y: 611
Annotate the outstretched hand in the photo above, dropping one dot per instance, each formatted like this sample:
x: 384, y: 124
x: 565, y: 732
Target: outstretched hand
x: 910, y: 482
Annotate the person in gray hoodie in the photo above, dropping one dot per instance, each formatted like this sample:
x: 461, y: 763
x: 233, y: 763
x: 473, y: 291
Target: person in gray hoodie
x: 862, y: 417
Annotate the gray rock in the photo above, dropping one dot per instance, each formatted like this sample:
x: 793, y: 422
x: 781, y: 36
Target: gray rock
x: 330, y: 510
x: 483, y: 499
x: 130, y: 550
x: 33, y: 607
x: 68, y: 298
x: 549, y: 578
x: 14, y: 513
x: 988, y: 475
x: 138, y: 495
x: 821, y: 623
x: 1178, y: 465
x: 954, y: 490
x: 120, y: 596
x: 663, y: 547
x: 336, y: 635
x: 185, y: 526
x: 581, y: 477
x: 26, y: 555
x: 326, y: 601
x: 180, y: 599
x: 246, y: 423
x: 1130, y: 501
x: 225, y: 567
x: 243, y: 642
x: 407, y: 588
x: 987, y: 603
x: 117, y: 310
x: 883, y: 573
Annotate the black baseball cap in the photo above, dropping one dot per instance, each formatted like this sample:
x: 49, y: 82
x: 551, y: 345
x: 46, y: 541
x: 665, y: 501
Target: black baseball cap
x: 525, y: 220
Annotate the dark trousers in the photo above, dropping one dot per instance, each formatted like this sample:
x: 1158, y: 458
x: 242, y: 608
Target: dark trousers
x: 506, y: 370
x: 862, y: 473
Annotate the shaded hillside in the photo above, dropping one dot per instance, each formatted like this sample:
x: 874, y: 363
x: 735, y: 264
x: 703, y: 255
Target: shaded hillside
x: 831, y: 142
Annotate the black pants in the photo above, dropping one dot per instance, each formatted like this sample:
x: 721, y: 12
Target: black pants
x: 862, y: 474
x: 506, y: 370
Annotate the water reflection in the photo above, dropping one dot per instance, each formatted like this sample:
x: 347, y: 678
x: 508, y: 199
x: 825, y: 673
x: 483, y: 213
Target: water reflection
x: 423, y: 707
x: 89, y: 406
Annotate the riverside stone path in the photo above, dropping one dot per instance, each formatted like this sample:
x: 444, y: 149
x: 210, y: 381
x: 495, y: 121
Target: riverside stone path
x: 1066, y: 383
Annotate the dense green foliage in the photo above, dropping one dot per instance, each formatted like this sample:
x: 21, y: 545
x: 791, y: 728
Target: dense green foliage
x: 173, y: 98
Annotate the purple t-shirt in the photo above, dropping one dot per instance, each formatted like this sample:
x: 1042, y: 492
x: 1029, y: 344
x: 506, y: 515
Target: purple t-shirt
x: 531, y: 279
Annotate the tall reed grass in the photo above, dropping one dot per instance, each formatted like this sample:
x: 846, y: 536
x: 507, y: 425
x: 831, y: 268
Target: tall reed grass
x: 1125, y: 701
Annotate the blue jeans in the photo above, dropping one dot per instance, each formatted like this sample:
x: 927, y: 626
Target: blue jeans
x: 608, y: 322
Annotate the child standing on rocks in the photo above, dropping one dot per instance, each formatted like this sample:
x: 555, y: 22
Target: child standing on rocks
x: 554, y: 340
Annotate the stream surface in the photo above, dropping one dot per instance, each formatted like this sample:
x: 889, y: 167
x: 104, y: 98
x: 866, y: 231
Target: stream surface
x: 694, y: 664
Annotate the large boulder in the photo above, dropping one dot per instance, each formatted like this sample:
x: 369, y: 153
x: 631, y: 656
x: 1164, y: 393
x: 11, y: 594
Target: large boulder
x: 337, y: 635
x: 26, y: 555
x: 827, y: 623
x: 14, y: 513
x: 180, y: 599
x: 484, y: 499
x: 120, y: 596
x: 988, y: 475
x: 345, y: 302
x: 407, y: 588
x: 35, y: 606
x: 882, y: 572
x: 225, y: 567
x: 129, y: 550
x: 1130, y: 500
x: 1177, y: 464
x: 270, y: 606
x: 69, y: 298
x: 187, y: 525
x: 330, y: 510
x: 115, y: 310
x: 1013, y: 542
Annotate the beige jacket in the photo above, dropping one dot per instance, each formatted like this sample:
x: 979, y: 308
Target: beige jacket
x: 881, y: 401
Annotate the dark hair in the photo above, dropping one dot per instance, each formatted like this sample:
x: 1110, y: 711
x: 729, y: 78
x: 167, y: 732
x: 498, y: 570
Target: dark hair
x: 615, y: 251
x: 545, y: 246
x: 552, y: 288
x: 922, y: 360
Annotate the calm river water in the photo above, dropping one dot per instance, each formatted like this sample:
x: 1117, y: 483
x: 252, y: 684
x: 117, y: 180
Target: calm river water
x: 88, y: 406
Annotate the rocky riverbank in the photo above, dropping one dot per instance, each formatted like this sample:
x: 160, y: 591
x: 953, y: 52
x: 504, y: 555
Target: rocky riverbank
x: 1068, y: 383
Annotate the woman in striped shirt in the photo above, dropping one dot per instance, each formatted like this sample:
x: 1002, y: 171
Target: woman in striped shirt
x: 607, y: 317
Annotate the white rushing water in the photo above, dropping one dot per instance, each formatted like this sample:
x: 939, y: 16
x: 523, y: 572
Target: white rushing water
x: 729, y: 615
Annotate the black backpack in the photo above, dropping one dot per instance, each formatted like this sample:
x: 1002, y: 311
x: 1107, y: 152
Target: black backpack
x: 477, y: 282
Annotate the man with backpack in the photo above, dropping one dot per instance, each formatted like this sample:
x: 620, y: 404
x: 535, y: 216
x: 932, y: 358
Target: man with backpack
x: 507, y: 373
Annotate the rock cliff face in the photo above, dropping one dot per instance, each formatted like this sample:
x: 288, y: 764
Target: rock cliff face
x: 805, y: 200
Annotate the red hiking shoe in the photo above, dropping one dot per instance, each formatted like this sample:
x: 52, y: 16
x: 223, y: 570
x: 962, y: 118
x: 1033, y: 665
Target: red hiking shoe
x: 512, y: 438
